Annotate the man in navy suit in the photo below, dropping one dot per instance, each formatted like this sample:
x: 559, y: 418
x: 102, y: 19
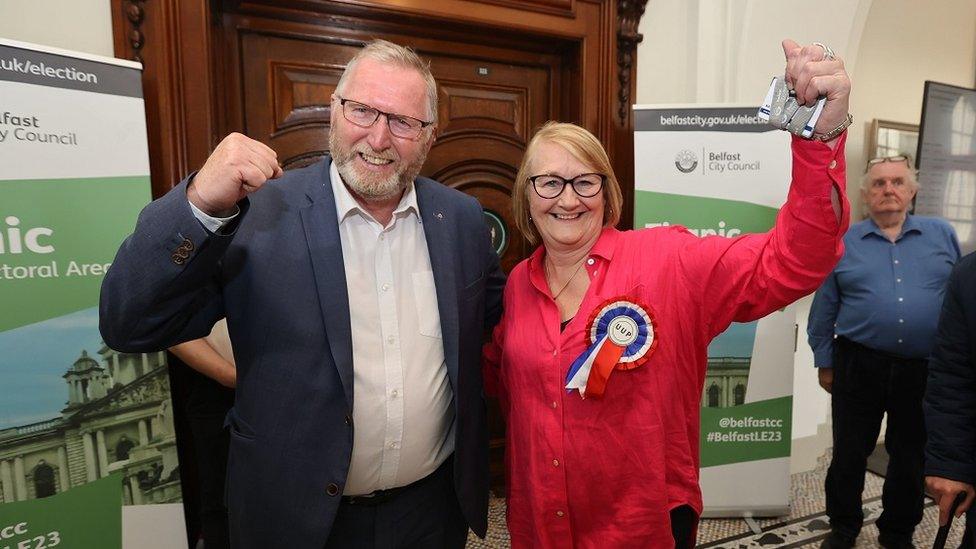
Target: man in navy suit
x: 356, y: 296
x: 950, y: 401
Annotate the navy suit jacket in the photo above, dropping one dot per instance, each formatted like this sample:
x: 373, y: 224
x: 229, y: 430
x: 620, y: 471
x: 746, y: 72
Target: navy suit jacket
x: 279, y: 279
x: 950, y: 397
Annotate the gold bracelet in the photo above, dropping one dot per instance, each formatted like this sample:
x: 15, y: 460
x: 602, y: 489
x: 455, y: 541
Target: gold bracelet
x: 836, y: 131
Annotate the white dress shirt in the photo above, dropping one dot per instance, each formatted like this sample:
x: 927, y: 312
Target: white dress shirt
x: 403, y: 403
x: 403, y: 414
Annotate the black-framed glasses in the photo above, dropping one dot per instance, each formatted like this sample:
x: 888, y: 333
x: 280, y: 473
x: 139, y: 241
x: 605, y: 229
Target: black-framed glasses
x: 897, y: 158
x: 551, y: 186
x: 365, y: 116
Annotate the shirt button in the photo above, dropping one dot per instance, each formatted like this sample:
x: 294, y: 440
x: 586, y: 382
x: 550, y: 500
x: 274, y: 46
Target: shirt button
x: 393, y: 445
x: 554, y: 405
x: 833, y: 164
x: 899, y: 340
x: 390, y: 340
x: 555, y: 463
x: 386, y: 287
x: 394, y: 393
x: 560, y: 514
x: 897, y: 280
x: 901, y: 299
x: 382, y: 237
x: 901, y: 320
x: 553, y: 352
x: 590, y: 261
x: 896, y: 262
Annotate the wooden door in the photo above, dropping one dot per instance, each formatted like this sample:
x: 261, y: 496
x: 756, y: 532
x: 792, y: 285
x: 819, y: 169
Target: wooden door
x: 488, y: 111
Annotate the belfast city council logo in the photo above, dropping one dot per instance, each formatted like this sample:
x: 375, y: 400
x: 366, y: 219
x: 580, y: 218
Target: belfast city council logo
x: 686, y: 161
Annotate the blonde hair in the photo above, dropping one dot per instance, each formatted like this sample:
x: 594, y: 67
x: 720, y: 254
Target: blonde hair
x: 393, y: 54
x: 586, y: 148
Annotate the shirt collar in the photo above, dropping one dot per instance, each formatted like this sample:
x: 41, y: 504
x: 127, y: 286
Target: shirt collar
x: 606, y: 244
x: 346, y: 204
x: 870, y: 227
x: 604, y: 248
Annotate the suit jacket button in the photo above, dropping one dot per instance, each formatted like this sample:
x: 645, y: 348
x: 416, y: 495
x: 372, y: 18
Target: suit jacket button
x: 332, y: 489
x: 348, y: 419
x: 178, y: 259
x: 187, y: 245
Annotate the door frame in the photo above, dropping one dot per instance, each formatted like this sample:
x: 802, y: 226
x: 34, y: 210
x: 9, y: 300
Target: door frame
x: 181, y: 44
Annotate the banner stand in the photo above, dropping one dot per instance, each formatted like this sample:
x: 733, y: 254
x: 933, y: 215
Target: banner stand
x: 720, y: 171
x: 84, y: 429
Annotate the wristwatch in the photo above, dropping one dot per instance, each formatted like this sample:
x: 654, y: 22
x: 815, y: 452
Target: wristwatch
x: 836, y: 131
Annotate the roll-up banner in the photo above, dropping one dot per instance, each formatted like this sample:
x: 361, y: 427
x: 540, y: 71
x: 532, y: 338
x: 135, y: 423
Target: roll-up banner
x: 87, y: 444
x: 721, y: 172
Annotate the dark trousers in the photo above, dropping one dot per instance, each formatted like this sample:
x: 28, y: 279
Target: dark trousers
x: 684, y: 527
x: 206, y: 408
x: 422, y: 515
x: 967, y: 537
x: 868, y: 383
x: 211, y: 442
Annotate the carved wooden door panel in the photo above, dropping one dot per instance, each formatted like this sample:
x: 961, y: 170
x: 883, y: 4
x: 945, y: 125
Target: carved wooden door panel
x: 488, y: 111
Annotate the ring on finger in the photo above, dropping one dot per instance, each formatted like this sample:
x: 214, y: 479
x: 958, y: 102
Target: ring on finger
x: 828, y: 53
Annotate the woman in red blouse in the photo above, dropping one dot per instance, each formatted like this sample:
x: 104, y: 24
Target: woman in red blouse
x: 625, y: 318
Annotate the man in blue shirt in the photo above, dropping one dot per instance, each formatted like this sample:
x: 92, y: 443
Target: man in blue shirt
x: 871, y: 328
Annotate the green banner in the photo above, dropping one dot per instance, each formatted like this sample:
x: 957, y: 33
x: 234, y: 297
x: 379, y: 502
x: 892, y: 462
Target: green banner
x: 702, y: 216
x: 86, y: 517
x: 78, y: 419
x: 57, y: 239
x: 747, y: 432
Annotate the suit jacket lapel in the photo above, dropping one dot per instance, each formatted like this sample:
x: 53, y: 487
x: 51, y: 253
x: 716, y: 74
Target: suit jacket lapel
x: 322, y: 234
x: 438, y: 231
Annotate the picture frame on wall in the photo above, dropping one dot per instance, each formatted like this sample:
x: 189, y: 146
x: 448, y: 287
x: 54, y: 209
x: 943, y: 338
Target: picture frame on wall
x: 888, y: 138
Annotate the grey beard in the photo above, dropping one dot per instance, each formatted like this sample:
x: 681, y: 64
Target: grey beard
x: 367, y: 187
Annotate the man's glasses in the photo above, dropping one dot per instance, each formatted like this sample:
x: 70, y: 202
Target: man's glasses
x: 897, y: 158
x: 365, y: 116
x: 585, y: 184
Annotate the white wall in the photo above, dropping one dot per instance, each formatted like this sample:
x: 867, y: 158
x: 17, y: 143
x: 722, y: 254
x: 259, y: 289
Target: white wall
x: 725, y: 51
x: 80, y: 25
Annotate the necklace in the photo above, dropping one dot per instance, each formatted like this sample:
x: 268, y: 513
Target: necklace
x: 566, y: 285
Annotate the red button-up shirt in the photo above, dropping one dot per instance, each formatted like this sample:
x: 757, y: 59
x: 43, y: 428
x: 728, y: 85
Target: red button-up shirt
x: 606, y: 472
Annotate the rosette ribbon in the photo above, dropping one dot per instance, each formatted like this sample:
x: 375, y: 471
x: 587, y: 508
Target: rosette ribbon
x: 620, y: 334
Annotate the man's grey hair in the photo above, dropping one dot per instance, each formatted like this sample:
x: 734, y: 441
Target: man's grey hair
x: 394, y: 54
x: 912, y: 178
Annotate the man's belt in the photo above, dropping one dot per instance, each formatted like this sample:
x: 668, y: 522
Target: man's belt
x: 891, y: 356
x: 382, y: 496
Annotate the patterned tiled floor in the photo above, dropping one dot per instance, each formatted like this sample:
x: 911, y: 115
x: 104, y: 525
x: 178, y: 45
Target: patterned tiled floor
x: 805, y: 526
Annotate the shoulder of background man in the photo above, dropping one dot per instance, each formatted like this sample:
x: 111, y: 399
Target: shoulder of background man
x: 857, y: 230
x: 933, y: 223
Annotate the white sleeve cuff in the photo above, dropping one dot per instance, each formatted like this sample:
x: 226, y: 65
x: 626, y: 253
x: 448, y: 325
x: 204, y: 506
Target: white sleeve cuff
x: 211, y: 223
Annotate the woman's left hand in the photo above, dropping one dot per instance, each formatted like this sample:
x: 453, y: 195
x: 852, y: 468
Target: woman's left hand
x: 812, y: 74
